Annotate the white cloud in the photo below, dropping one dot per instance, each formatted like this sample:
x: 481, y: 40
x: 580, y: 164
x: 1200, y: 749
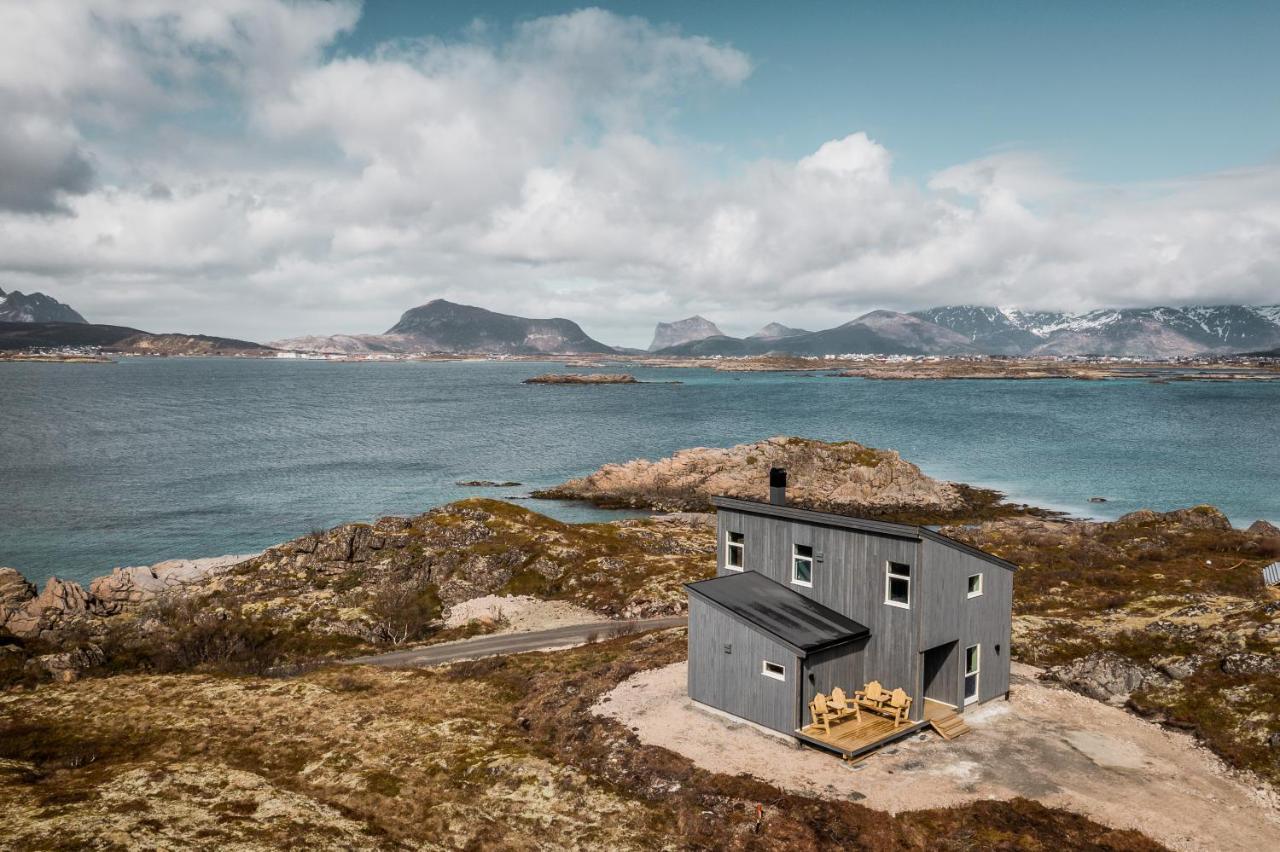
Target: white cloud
x: 217, y: 167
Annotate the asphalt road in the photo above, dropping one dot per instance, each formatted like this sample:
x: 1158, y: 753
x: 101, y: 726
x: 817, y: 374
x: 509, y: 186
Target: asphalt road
x: 516, y: 643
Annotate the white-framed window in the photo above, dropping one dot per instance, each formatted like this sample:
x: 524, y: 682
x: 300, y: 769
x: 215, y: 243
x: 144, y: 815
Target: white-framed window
x: 975, y: 585
x: 802, y: 565
x: 735, y: 550
x: 897, y: 584
x: 773, y: 670
x: 972, y: 660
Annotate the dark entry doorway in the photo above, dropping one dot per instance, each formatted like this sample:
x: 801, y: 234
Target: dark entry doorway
x: 940, y: 682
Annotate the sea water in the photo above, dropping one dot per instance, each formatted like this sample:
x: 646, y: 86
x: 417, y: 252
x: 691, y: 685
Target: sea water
x: 150, y: 458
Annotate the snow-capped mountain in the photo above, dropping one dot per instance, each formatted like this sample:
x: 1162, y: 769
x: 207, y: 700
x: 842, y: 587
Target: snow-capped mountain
x: 36, y: 307
x: 1152, y: 332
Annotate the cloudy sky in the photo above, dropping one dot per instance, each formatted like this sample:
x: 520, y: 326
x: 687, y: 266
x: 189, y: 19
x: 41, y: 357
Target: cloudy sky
x: 263, y: 169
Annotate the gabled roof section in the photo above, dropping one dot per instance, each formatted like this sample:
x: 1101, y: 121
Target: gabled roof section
x: 909, y: 532
x: 802, y: 624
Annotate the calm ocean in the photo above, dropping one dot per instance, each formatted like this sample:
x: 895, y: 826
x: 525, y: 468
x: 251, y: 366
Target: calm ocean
x: 151, y: 459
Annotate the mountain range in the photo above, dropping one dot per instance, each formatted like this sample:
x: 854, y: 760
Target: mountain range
x: 440, y: 326
x: 1159, y: 332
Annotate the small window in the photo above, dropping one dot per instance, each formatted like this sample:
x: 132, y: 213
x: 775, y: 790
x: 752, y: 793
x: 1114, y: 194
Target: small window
x: 734, y: 550
x: 897, y: 585
x: 972, y: 656
x: 802, y: 565
x: 774, y: 671
x: 975, y: 585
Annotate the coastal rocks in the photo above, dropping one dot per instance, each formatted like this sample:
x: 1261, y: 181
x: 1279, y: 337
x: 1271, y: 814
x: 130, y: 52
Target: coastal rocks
x: 582, y: 379
x: 14, y: 591
x: 839, y: 477
x: 485, y: 483
x: 60, y: 603
x: 1105, y: 677
x: 1197, y: 517
x: 129, y: 587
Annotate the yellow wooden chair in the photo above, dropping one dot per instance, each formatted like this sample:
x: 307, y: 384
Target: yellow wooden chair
x: 843, y: 705
x: 821, y: 712
x: 872, y: 696
x: 899, y: 706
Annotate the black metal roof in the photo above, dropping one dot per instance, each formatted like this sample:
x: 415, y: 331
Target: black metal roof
x: 802, y: 624
x: 830, y: 519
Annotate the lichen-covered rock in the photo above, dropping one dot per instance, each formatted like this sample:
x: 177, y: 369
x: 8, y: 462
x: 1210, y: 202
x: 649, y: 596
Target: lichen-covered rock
x: 1105, y: 677
x: 1197, y: 517
x: 1245, y: 663
x: 68, y: 665
x: 839, y: 477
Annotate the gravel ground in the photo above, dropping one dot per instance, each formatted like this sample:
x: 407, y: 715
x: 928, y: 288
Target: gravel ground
x: 519, y: 613
x: 1047, y: 744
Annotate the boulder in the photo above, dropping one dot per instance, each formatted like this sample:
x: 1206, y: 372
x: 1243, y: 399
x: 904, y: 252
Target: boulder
x: 1105, y: 676
x: 59, y: 603
x: 15, y: 591
x: 1246, y: 663
x: 1263, y: 528
x: 69, y: 665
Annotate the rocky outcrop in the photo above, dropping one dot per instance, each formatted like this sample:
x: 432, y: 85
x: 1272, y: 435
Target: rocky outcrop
x: 1105, y: 677
x: 68, y: 665
x: 43, y: 616
x: 1245, y: 663
x: 1197, y: 517
x: 844, y: 477
x: 686, y: 330
x: 14, y: 591
x: 1263, y: 528
x: 129, y: 587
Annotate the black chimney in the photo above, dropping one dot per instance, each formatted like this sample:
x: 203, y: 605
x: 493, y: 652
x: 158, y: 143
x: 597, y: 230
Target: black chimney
x: 778, y: 486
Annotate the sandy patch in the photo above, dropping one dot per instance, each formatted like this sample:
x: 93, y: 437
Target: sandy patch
x: 519, y: 613
x: 1045, y: 743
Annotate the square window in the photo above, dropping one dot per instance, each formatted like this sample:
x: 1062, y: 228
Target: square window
x: 802, y: 565
x: 897, y: 585
x: 773, y: 670
x: 735, y: 550
x: 975, y: 585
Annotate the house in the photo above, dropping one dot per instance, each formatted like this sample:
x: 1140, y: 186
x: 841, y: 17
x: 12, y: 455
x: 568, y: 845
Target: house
x: 806, y: 601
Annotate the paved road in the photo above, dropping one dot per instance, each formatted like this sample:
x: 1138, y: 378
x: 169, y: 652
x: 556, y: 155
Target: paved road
x: 515, y: 643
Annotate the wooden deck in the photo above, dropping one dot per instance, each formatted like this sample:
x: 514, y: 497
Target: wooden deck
x: 852, y: 738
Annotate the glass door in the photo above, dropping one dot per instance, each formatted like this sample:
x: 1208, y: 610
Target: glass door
x: 971, y: 664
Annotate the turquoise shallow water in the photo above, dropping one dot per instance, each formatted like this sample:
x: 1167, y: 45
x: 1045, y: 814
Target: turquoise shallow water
x: 151, y: 459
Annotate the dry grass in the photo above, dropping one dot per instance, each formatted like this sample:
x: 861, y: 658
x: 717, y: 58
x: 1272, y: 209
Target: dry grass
x: 499, y: 753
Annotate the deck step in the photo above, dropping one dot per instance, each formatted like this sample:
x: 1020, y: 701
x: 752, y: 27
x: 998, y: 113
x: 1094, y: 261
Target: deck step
x: 950, y: 726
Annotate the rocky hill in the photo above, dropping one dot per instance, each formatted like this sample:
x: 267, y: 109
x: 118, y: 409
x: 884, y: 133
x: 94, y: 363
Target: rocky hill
x: 777, y: 331
x: 36, y: 307
x: 687, y: 330
x: 116, y: 338
x: 440, y: 326
x: 844, y: 477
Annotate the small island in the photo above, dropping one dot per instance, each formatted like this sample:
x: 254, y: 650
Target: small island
x: 582, y: 379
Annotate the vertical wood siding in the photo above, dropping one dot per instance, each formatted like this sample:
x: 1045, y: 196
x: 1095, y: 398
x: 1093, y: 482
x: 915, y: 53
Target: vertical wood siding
x: 733, y: 682
x: 849, y: 577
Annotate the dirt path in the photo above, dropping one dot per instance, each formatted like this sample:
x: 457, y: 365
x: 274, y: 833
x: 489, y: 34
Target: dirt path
x: 1046, y: 744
